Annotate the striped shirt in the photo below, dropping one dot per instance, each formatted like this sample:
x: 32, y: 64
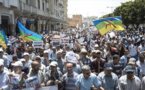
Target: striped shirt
x: 69, y: 81
x: 126, y: 84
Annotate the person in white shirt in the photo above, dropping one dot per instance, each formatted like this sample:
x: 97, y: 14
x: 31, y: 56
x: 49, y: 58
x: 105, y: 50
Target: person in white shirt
x: 132, y: 49
x: 129, y: 81
x: 28, y: 61
x: 141, y: 63
x: 141, y: 48
x: 4, y: 79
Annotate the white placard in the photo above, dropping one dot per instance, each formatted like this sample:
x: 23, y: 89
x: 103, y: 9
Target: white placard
x: 55, y: 40
x: 81, y: 40
x: 43, y: 88
x: 64, y: 41
x: 112, y: 34
x: 71, y: 57
x: 92, y: 44
x: 14, y: 79
x: 13, y: 40
x: 31, y: 82
x: 37, y: 44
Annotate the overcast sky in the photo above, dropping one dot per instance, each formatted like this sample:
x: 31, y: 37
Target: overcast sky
x: 92, y: 7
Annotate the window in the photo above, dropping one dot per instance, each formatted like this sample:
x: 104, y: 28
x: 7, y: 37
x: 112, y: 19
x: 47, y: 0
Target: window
x: 38, y: 4
x: 43, y: 5
x: 27, y: 2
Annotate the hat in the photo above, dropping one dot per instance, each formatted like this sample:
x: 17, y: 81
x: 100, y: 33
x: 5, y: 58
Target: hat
x: 53, y: 63
x: 38, y: 57
x: 25, y: 53
x: 53, y: 47
x: 22, y: 60
x: 17, y: 63
x: 84, y: 51
x: 131, y: 61
x: 1, y: 62
x: 108, y: 66
x: 96, y: 45
x: 129, y: 68
x: 141, y: 35
x: 45, y: 51
x: 98, y: 51
x: 140, y: 55
x: 1, y: 50
x: 25, y: 70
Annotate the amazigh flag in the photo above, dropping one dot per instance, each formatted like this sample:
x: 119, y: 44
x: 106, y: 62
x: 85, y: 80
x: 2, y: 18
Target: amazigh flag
x: 28, y: 35
x: 107, y: 24
x: 3, y: 39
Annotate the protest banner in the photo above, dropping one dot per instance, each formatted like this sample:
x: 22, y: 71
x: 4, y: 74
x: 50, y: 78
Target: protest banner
x: 64, y: 41
x: 37, y: 44
x: 31, y: 82
x: 81, y: 40
x: 56, y: 41
x: 92, y: 44
x: 14, y: 79
x: 55, y: 87
x: 71, y: 57
x: 13, y: 40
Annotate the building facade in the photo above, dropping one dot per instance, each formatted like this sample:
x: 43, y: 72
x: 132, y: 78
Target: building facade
x: 35, y: 15
x: 76, y: 20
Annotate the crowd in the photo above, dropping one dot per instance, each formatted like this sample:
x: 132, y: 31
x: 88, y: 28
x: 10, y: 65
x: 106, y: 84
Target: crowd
x: 114, y: 63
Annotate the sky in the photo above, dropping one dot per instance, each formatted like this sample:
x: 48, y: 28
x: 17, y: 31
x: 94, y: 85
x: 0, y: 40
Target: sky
x: 92, y: 7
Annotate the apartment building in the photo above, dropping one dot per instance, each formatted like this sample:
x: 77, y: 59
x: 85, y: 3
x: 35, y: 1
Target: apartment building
x: 36, y: 15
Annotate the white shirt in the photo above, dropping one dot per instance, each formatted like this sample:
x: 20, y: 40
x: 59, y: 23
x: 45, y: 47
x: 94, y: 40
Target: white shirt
x: 28, y: 64
x: 141, y: 48
x: 132, y: 50
x: 141, y: 66
x: 4, y: 79
x: 126, y: 84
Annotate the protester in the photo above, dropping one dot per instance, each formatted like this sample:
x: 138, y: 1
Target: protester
x: 108, y: 79
x: 86, y: 80
x: 129, y: 81
x: 98, y: 64
x: 69, y: 78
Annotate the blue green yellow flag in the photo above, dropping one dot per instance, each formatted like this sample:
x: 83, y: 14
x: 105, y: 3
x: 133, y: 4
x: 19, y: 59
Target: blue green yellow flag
x: 107, y: 24
x: 3, y: 39
x: 28, y: 35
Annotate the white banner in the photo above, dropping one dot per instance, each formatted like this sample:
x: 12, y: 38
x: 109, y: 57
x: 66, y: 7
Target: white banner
x: 31, y: 82
x: 43, y: 88
x: 92, y: 44
x: 71, y: 57
x: 37, y: 44
x: 55, y: 40
x: 81, y: 40
x: 13, y: 40
x: 64, y: 41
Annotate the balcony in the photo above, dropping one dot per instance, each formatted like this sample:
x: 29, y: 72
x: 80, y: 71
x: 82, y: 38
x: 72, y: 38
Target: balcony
x: 14, y: 3
x: 25, y: 7
x: 60, y: 2
x: 33, y: 10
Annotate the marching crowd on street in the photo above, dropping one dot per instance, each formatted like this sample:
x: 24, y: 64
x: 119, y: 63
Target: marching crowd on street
x: 114, y: 63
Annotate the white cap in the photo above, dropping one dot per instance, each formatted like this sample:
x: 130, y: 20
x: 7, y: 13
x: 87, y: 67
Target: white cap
x: 17, y: 63
x: 1, y: 62
x: 96, y: 45
x: 1, y: 50
x: 25, y: 53
x: 53, y: 63
x: 45, y: 51
x: 22, y: 60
